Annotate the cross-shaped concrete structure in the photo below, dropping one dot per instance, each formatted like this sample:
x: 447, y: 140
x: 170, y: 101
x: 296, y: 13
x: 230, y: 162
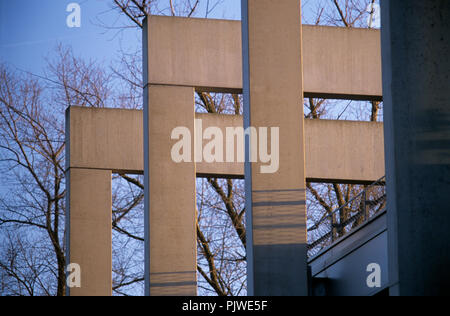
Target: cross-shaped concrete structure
x: 274, y: 61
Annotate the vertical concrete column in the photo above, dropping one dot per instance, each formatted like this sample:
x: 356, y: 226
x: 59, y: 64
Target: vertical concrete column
x: 416, y: 72
x: 88, y: 221
x: 273, y: 94
x: 170, y: 216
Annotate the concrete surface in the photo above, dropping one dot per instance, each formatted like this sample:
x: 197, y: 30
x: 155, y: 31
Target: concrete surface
x: 341, y: 62
x: 338, y: 62
x: 88, y: 227
x: 225, y: 169
x: 336, y: 151
x: 273, y: 96
x: 416, y: 72
x: 195, y: 52
x: 178, y: 58
x: 170, y: 209
x: 109, y: 139
x: 344, y: 151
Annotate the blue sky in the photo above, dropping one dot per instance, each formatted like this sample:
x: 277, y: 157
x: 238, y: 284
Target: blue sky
x: 30, y: 30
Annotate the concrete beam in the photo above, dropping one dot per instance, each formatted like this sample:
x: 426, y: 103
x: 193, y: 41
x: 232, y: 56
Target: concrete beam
x: 344, y: 151
x: 342, y: 63
x: 109, y: 139
x: 88, y: 222
x: 221, y: 169
x: 201, y: 53
x: 415, y: 38
x: 275, y: 202
x: 338, y: 62
x: 170, y: 209
x: 336, y: 151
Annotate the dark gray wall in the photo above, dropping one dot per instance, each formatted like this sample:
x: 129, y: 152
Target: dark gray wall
x: 416, y: 89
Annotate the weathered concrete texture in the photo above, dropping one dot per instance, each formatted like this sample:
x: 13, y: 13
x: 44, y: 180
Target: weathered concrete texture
x: 336, y: 151
x: 344, y: 151
x: 88, y: 223
x: 170, y: 210
x: 338, y: 62
x: 416, y: 71
x: 275, y: 203
x: 195, y: 52
x: 108, y: 139
x: 342, y: 62
x: 226, y: 169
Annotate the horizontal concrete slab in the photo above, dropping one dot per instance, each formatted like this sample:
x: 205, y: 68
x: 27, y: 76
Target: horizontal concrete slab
x: 342, y: 62
x: 344, y: 150
x: 110, y: 139
x: 336, y: 151
x: 207, y: 54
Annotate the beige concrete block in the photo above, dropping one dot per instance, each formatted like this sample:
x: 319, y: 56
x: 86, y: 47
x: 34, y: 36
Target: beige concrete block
x: 170, y: 196
x: 108, y: 139
x: 344, y: 151
x: 89, y: 219
x: 336, y: 151
x: 233, y: 169
x: 342, y: 62
x: 338, y: 62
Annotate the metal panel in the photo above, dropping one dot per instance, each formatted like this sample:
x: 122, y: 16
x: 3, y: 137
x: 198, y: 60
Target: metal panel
x: 341, y: 270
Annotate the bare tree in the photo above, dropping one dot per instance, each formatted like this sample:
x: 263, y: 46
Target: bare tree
x: 32, y: 143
